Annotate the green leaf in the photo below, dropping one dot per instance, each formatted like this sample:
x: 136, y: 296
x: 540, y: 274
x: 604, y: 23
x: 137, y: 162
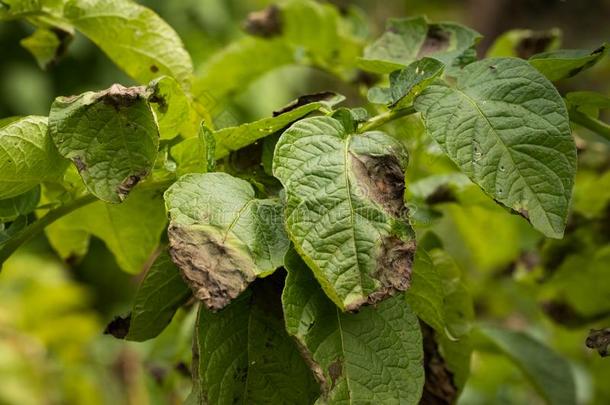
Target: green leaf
x: 173, y: 109
x: 566, y: 63
x: 345, y: 212
x: 134, y: 37
x: 587, y: 102
x: 507, y: 128
x: 196, y: 155
x: 47, y: 45
x: 409, y: 39
x: 374, y: 356
x: 158, y: 298
x: 407, y: 83
x: 549, y: 372
x: 27, y: 156
x: 246, y: 356
x: 111, y: 136
x: 525, y: 43
x: 234, y: 138
x: 20, y: 205
x: 221, y: 236
x: 426, y: 296
x: 131, y: 230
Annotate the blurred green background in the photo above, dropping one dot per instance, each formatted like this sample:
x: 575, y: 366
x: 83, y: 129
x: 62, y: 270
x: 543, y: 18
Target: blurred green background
x: 53, y: 313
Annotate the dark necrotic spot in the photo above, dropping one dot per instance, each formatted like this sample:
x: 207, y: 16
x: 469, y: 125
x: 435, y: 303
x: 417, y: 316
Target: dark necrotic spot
x: 437, y: 40
x: 536, y: 43
x: 335, y: 370
x: 304, y: 100
x: 129, y: 183
x: 439, y: 386
x: 80, y: 165
x: 266, y: 23
x: 118, y: 327
x: 154, y: 68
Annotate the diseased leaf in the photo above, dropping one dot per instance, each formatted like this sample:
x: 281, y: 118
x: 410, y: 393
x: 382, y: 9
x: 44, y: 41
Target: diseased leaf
x: 599, y: 339
x: 234, y: 138
x: 409, y: 39
x: 246, y: 356
x: 221, y: 236
x: 507, y: 128
x: 374, y: 356
x: 47, y: 45
x: 525, y: 43
x: 407, y: 83
x: 439, y: 387
x: 549, y: 372
x: 160, y: 294
x: 565, y: 63
x: 20, y: 205
x: 111, y: 137
x: 134, y: 37
x: 131, y: 231
x: 175, y: 114
x: 345, y: 212
x: 27, y: 156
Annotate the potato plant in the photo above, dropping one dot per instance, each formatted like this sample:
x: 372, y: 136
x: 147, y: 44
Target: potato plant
x: 298, y: 236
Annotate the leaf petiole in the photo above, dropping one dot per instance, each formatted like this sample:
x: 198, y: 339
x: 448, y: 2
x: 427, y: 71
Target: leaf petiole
x: 592, y: 124
x: 383, y: 118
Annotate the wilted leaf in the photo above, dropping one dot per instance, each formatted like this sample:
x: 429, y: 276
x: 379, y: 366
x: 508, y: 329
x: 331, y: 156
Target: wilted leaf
x: 507, y: 128
x: 374, y: 356
x: 345, y: 211
x: 566, y: 63
x: 111, y: 137
x: 550, y: 373
x: 27, y: 156
x: 409, y: 39
x: 47, y: 45
x: 407, y: 83
x: 234, y: 138
x: 221, y: 236
x: 246, y: 356
x: 134, y: 37
x: 160, y: 294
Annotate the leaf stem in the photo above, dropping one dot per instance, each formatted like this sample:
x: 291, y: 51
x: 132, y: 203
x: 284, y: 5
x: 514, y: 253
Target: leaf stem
x: 384, y: 118
x: 36, y: 227
x: 593, y: 124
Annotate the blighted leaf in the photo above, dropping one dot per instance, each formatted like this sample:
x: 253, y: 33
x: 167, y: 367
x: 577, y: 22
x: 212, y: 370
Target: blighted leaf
x: 265, y: 23
x: 47, y: 45
x: 22, y: 204
x: 599, y: 339
x: 566, y: 63
x: 27, y: 156
x: 246, y: 356
x: 345, y: 212
x: 507, y: 128
x: 407, y: 83
x: 440, y: 387
x: 550, y: 373
x: 234, y: 138
x: 221, y: 236
x: 160, y: 294
x: 111, y: 136
x: 131, y: 231
x: 175, y: 114
x: 374, y: 356
x: 409, y: 39
x: 134, y: 37
x: 525, y: 43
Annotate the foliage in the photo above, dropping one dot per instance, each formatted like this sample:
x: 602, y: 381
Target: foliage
x: 313, y: 241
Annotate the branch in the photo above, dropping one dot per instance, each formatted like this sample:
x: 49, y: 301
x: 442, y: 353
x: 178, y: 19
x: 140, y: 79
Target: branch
x: 592, y: 124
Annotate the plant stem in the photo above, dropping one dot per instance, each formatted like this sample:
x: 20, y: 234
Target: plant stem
x: 36, y: 227
x: 384, y: 118
x: 593, y: 124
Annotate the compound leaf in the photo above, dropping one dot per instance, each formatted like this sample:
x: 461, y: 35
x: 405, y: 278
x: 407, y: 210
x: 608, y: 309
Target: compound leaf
x: 27, y: 156
x: 221, y: 236
x: 345, y: 212
x: 134, y: 37
x: 374, y: 356
x: 246, y: 356
x: 111, y: 136
x: 507, y: 128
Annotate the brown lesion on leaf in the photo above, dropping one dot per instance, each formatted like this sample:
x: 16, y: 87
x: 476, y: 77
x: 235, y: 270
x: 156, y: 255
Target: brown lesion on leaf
x: 599, y: 339
x: 437, y: 40
x: 128, y: 184
x: 382, y: 179
x: 79, y: 163
x: 439, y: 386
x: 65, y: 39
x: 335, y: 371
x: 216, y: 271
x: 119, y: 327
x: 119, y: 96
x: 535, y: 43
x: 304, y: 100
x: 266, y: 23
